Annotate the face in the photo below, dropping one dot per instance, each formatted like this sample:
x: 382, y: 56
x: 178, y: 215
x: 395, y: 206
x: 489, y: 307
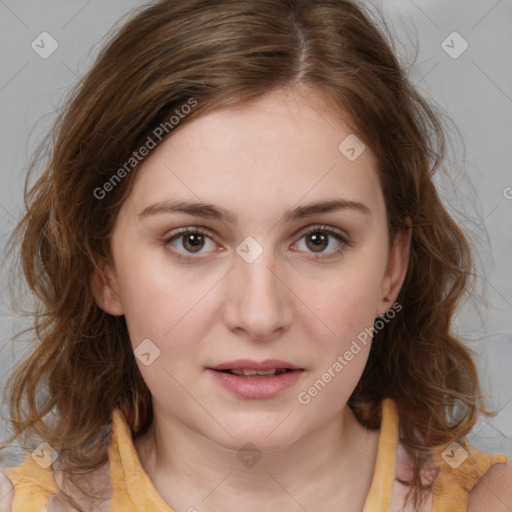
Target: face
x: 260, y: 274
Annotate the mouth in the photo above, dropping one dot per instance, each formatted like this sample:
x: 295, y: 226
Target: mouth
x: 257, y: 373
x: 252, y: 368
x: 256, y: 380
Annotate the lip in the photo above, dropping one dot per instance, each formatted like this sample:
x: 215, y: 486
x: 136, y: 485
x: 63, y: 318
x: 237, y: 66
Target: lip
x: 248, y: 364
x: 256, y: 387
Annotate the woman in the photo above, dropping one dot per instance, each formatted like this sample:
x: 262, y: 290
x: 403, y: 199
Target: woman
x: 247, y: 279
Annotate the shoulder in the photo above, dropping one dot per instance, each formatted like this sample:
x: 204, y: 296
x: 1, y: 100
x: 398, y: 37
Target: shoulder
x: 493, y: 492
x: 55, y: 490
x: 6, y: 493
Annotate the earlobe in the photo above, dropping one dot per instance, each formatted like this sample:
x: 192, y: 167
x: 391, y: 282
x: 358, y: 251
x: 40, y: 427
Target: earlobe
x: 105, y: 291
x: 396, y: 270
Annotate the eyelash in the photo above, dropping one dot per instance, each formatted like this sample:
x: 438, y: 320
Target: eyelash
x: 338, y: 235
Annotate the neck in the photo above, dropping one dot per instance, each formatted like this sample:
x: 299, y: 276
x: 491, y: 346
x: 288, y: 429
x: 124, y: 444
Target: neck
x: 335, y: 463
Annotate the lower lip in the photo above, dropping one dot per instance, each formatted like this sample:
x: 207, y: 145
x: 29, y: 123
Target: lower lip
x: 257, y: 387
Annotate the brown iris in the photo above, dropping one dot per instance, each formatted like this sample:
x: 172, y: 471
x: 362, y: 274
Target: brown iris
x: 193, y: 242
x: 319, y: 241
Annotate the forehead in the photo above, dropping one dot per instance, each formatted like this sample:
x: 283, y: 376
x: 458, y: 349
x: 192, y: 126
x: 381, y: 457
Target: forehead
x: 275, y: 151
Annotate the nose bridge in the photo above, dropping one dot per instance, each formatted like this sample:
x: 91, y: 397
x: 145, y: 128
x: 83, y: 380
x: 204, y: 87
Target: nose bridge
x: 258, y: 300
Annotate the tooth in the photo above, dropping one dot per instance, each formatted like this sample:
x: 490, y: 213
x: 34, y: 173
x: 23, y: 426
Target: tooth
x: 250, y: 373
x: 267, y: 372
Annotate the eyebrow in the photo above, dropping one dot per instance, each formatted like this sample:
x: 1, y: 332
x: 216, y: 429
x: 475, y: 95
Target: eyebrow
x: 210, y: 211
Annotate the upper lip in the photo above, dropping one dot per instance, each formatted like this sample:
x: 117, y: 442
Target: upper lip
x: 247, y: 364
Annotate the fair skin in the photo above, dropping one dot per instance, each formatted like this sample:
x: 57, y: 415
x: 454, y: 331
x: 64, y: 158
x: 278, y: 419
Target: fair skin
x: 258, y: 162
x: 291, y: 303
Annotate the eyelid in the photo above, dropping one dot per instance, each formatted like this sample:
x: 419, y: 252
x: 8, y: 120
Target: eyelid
x: 183, y: 231
x: 322, y: 227
x: 205, y: 231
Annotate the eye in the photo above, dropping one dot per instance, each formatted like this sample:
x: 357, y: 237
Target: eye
x: 191, y: 240
x: 320, y: 238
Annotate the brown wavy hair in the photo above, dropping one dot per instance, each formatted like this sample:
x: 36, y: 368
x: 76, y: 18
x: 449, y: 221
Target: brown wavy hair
x: 222, y: 53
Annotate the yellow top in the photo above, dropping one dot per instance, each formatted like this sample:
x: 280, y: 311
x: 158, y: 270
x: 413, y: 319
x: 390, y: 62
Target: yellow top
x: 459, y: 469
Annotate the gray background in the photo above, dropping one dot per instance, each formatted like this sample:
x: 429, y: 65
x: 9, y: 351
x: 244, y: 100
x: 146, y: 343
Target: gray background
x: 475, y: 89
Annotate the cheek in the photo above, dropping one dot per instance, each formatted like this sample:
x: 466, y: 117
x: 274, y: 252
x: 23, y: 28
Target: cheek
x: 166, y: 315
x: 348, y: 301
x: 347, y: 307
x: 346, y: 304
x: 154, y: 295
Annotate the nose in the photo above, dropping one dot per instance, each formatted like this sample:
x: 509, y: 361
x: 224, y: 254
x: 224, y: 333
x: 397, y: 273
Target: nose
x: 259, y: 303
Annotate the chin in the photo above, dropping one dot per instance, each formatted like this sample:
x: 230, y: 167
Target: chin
x: 264, y: 436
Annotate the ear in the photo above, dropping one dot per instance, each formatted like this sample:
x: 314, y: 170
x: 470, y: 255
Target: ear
x: 396, y: 268
x: 105, y: 292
